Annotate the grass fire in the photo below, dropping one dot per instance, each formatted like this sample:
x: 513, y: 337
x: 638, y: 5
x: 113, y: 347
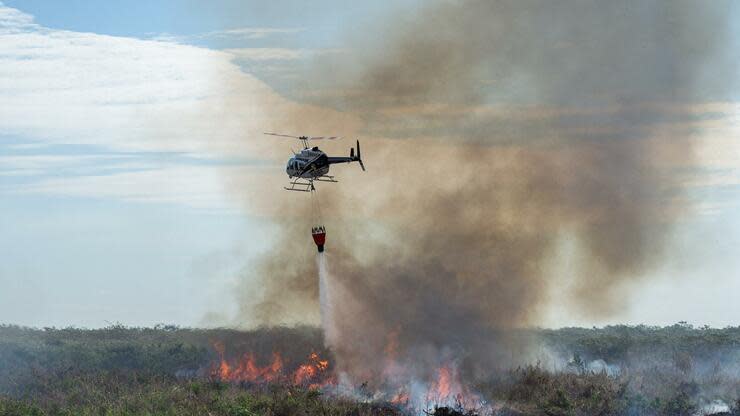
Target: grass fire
x: 618, y: 370
x: 313, y: 373
x: 542, y: 219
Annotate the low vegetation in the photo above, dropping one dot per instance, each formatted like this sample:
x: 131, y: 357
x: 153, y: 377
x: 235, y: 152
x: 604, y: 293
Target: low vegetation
x: 620, y: 370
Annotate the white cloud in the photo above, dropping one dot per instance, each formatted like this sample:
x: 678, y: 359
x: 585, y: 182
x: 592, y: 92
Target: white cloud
x: 26, y: 146
x: 278, y: 54
x: 53, y: 161
x: 62, y: 86
x: 194, y: 186
x: 127, y: 93
x: 243, y: 33
x: 268, y: 54
x: 131, y: 94
x: 14, y: 20
x: 68, y: 164
x: 249, y: 32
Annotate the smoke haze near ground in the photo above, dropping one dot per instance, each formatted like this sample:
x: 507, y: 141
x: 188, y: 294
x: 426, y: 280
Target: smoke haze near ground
x: 493, y: 131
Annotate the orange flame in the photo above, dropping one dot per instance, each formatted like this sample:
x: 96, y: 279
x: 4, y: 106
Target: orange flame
x: 313, y: 373
x: 440, y: 389
x: 445, y: 389
x: 401, y: 398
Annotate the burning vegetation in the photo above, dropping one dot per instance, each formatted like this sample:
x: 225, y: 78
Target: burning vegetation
x: 316, y: 373
x: 313, y: 373
x: 619, y: 371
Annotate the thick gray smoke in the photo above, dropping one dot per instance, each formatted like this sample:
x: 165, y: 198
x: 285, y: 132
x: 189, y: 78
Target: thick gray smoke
x: 495, y: 134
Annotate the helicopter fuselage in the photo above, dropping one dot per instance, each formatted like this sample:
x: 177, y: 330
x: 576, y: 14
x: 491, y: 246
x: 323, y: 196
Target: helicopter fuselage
x: 311, y: 163
x: 308, y: 163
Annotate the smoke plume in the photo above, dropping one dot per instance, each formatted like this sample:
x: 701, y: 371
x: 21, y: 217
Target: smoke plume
x: 495, y: 133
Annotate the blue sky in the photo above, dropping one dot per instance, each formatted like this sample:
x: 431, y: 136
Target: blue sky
x: 117, y: 134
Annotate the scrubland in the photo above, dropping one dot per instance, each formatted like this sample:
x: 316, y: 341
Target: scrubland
x: 166, y: 370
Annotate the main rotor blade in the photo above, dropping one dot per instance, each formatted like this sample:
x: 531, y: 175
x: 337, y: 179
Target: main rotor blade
x: 302, y: 137
x: 282, y: 135
x: 324, y: 138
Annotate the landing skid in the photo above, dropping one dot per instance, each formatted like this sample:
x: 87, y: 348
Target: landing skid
x: 300, y: 186
x: 307, y: 185
x: 326, y: 178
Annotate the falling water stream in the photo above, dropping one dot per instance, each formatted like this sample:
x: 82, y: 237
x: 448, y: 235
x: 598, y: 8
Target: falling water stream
x: 326, y: 300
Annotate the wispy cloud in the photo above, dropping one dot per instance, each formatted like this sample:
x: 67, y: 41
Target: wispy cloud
x: 14, y: 20
x: 250, y: 32
x: 199, y: 187
x: 244, y: 33
x: 54, y: 162
x: 127, y: 95
x: 269, y: 54
x: 278, y: 54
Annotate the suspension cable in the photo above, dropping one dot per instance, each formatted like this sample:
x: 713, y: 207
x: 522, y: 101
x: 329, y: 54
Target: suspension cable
x: 316, y: 208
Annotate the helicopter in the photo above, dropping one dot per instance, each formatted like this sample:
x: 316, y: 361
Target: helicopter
x: 312, y: 164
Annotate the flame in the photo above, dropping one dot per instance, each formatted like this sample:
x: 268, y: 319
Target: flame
x: 443, y: 388
x: 305, y: 372
x: 440, y: 390
x: 248, y: 370
x: 448, y: 390
x: 313, y: 373
x: 401, y: 398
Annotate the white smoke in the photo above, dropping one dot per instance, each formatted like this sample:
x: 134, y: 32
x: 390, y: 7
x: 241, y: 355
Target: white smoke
x: 714, y: 407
